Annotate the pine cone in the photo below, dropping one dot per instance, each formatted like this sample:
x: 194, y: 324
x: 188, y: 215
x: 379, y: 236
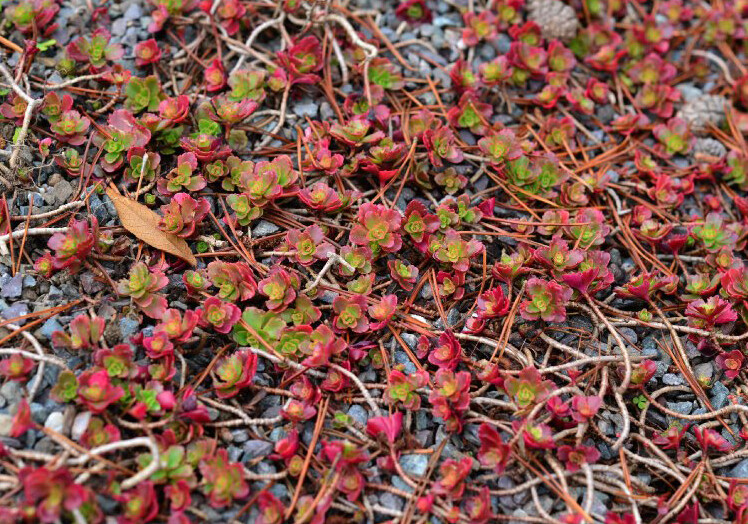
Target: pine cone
x: 556, y: 19
x: 702, y: 111
x: 708, y: 149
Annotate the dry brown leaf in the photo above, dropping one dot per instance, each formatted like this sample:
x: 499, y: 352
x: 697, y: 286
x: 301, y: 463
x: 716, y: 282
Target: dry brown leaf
x: 143, y: 223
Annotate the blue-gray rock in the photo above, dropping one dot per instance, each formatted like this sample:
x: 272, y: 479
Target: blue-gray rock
x: 670, y: 379
x: 54, y: 292
x: 425, y: 438
x: 134, y: 12
x: 49, y: 327
x: 414, y: 464
x: 719, y: 395
x: 388, y: 500
x: 423, y: 420
x: 18, y: 309
x: 128, y: 327
x: 39, y: 412
x: 257, y: 448
x: 358, y: 413
x: 13, y: 287
x: 119, y: 27
x: 11, y: 391
x: 399, y: 483
x: 264, y: 228
x: 401, y: 357
x: 684, y: 408
x: 306, y: 107
x: 704, y: 372
x: 98, y: 208
x: 410, y: 339
x: 239, y: 435
x: 29, y: 281
x: 234, y: 453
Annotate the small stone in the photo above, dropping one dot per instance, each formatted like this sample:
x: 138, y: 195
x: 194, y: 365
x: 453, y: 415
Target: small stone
x: 234, y: 453
x: 425, y: 438
x: 13, y: 287
x: 11, y: 391
x: 684, y: 408
x: 55, y: 421
x: 358, y: 413
x: 390, y: 501
x: 719, y: 395
x: 453, y: 316
x: 128, y: 327
x: 239, y: 436
x: 39, y: 412
x: 401, y: 357
x: 423, y: 420
x: 700, y: 112
x: 556, y: 19
x: 257, y: 448
x: 6, y: 423
x: 740, y: 470
x: 704, y: 372
x: 305, y: 108
x: 671, y: 379
x: 98, y: 208
x: 18, y: 309
x: 414, y: 464
x: 134, y: 12
x: 60, y: 193
x: 410, y: 339
x: 80, y: 425
x: 264, y: 228
x: 119, y: 27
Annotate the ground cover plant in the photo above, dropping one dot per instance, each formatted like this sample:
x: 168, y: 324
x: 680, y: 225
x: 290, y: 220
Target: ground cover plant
x: 362, y: 261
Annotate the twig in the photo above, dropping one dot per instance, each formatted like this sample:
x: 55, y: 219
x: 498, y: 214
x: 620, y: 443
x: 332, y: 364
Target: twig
x: 31, y: 104
x: 332, y: 258
x: 139, y: 477
x: 34, y: 231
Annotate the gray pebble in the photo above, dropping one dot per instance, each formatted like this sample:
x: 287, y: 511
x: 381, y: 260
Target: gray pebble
x: 390, y: 501
x: 18, y: 309
x: 6, y: 423
x: 414, y: 464
x: 257, y: 448
x: 681, y: 407
x: 306, y: 107
x: 55, y: 421
x: 671, y: 379
x: 13, y: 287
x: 358, y: 413
x: 740, y: 470
x: 239, y: 435
x: 234, y: 453
x: 704, y: 372
x: 80, y: 425
x: 134, y: 12
x: 719, y: 395
x: 264, y: 228
x: 128, y: 327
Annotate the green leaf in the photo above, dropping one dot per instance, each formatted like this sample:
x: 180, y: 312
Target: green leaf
x: 43, y: 46
x: 16, y: 135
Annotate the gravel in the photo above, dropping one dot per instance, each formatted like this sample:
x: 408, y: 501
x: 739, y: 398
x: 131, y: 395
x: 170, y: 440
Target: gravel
x: 414, y: 464
x: 256, y: 448
x: 13, y: 287
x: 55, y: 421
